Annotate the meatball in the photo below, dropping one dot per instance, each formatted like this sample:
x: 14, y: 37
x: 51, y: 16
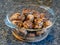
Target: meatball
x: 42, y: 15
x: 38, y: 21
x: 30, y: 17
x: 26, y: 11
x: 47, y: 23
x: 21, y: 18
x: 17, y: 23
x: 37, y: 26
x: 15, y: 16
x: 36, y: 14
x: 14, y: 22
x: 28, y: 24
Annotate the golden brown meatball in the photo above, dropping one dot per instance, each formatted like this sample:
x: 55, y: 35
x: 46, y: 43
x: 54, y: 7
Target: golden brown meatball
x: 42, y: 15
x: 28, y: 24
x: 21, y: 18
x: 30, y: 17
x: 17, y: 23
x: 26, y: 11
x: 37, y: 26
x: 47, y: 23
x: 36, y: 14
x: 14, y: 22
x: 15, y: 16
x: 38, y: 21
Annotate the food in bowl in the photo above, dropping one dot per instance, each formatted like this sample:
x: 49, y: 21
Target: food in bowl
x: 30, y: 19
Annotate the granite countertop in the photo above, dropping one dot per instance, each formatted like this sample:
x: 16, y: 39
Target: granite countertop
x: 6, y: 37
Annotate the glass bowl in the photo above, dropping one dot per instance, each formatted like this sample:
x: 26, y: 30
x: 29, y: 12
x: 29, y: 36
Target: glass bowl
x: 15, y: 30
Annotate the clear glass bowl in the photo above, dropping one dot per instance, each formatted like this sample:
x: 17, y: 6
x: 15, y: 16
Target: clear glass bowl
x: 49, y: 13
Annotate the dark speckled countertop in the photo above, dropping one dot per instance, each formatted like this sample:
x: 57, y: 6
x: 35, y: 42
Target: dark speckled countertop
x: 6, y: 37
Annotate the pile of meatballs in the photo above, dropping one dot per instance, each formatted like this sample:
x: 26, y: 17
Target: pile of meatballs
x: 30, y: 19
